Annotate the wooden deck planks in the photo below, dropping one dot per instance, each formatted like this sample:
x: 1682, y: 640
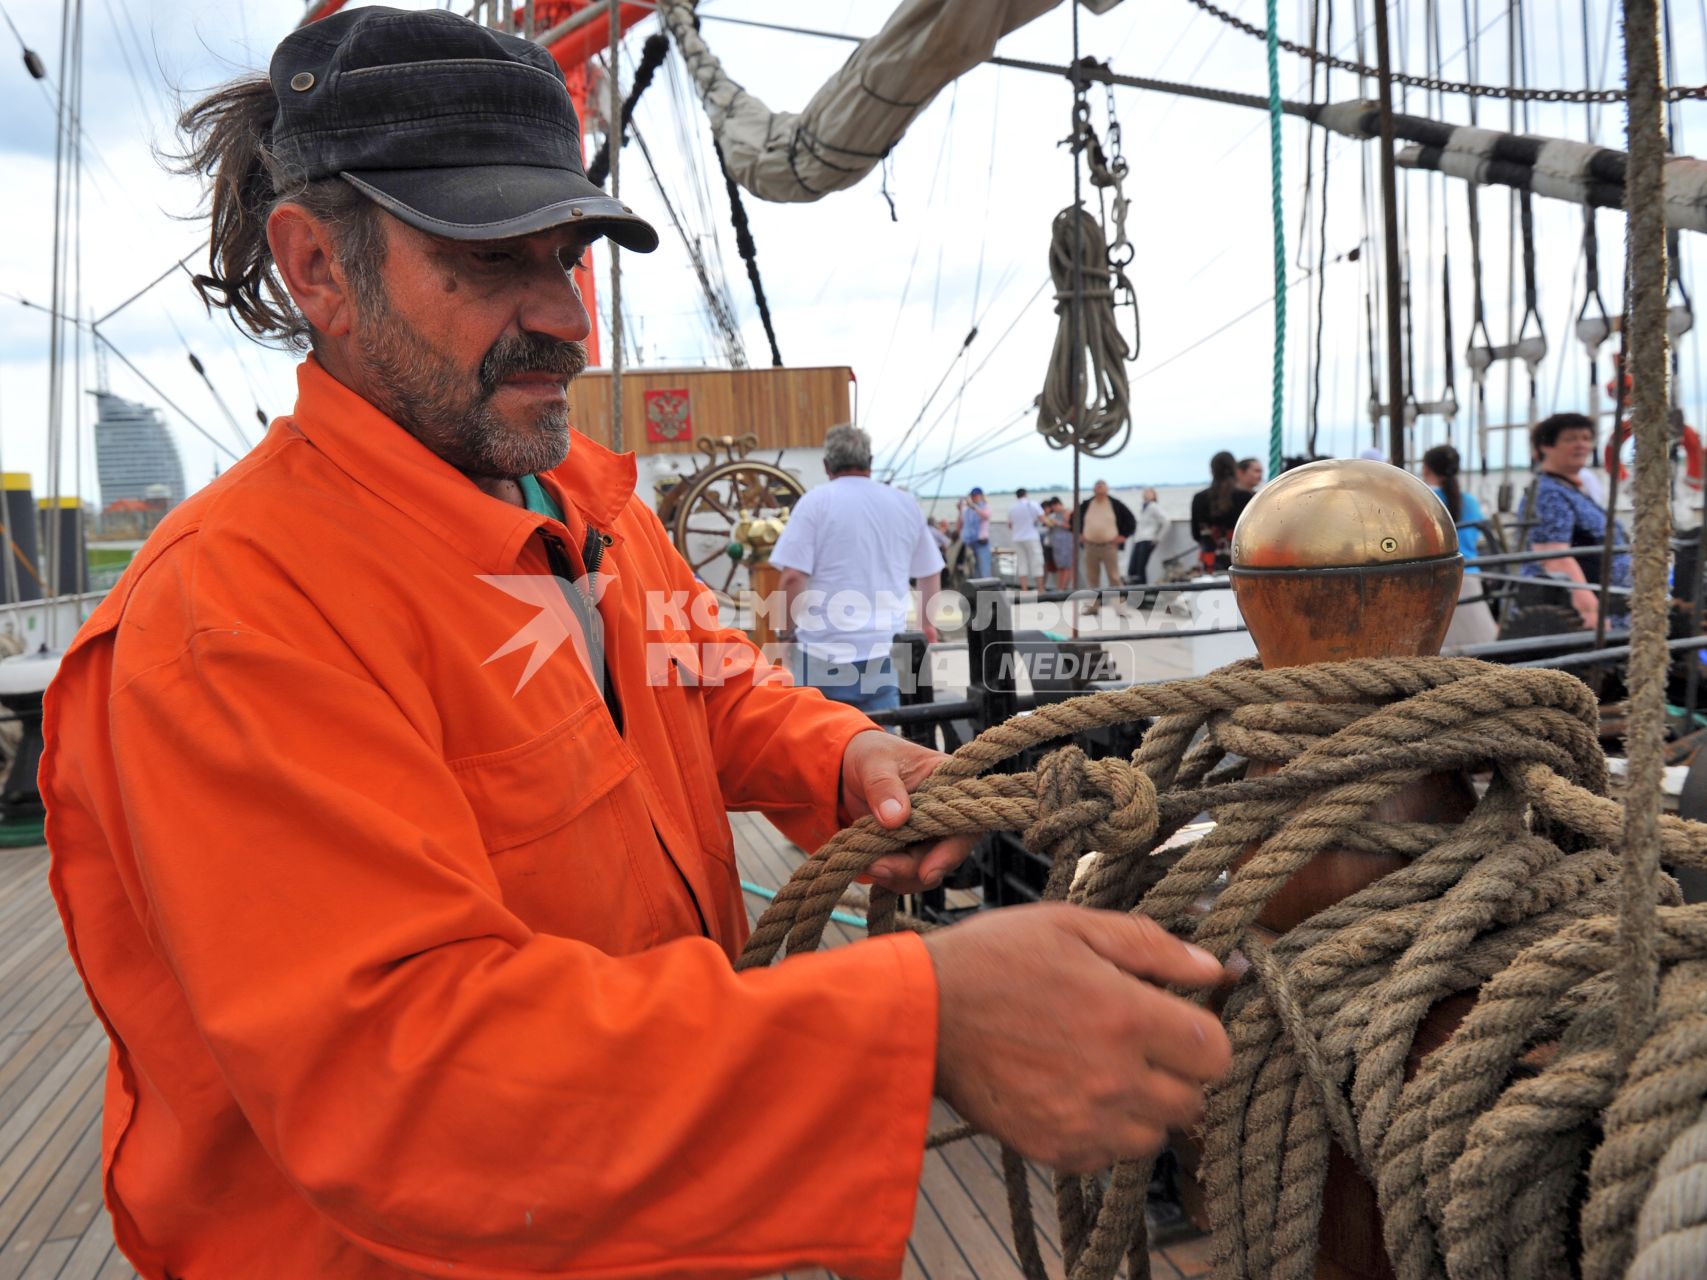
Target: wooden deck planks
x: 53, y: 1054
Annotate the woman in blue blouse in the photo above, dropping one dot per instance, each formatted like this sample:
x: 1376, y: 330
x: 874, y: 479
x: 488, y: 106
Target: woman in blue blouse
x: 1566, y: 517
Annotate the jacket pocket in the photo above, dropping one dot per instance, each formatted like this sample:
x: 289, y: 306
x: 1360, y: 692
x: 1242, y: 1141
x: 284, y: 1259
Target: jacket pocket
x: 526, y: 791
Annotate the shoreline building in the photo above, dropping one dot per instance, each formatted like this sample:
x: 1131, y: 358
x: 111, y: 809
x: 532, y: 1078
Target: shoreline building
x: 135, y: 454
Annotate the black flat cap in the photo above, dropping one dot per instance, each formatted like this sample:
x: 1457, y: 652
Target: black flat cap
x: 458, y: 130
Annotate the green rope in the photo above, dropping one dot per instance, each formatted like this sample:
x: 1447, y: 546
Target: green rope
x: 1274, y: 118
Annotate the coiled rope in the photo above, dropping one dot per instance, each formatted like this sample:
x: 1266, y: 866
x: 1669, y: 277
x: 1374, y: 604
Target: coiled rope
x: 1477, y: 1164
x: 1064, y: 419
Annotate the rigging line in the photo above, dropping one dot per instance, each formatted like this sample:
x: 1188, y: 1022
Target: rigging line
x: 981, y: 448
x: 948, y: 175
x: 237, y: 349
x: 180, y: 264
x: 1278, y: 198
x: 1465, y: 88
x: 730, y: 334
x: 989, y: 355
x: 906, y: 287
x: 989, y: 186
x: 957, y: 400
x: 1216, y: 333
x: 130, y: 71
x: 995, y: 444
x: 1313, y: 424
x: 1191, y: 77
x: 201, y: 372
x: 165, y: 399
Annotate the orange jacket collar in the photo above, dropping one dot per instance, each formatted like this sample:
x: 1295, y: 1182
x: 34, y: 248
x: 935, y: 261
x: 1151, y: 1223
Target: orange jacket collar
x: 386, y: 459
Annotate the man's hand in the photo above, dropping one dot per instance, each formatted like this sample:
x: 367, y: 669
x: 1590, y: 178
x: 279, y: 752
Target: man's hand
x: 1051, y: 1039
x: 878, y: 770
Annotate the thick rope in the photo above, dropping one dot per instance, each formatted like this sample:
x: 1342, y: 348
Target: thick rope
x: 1648, y: 368
x: 1479, y: 1159
x: 1277, y: 203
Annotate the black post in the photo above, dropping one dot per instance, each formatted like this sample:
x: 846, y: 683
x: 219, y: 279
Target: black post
x: 1390, y: 210
x: 912, y: 655
x: 990, y: 682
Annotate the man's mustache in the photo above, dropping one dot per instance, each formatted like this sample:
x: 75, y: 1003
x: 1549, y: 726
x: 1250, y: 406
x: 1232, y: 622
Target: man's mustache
x: 531, y: 353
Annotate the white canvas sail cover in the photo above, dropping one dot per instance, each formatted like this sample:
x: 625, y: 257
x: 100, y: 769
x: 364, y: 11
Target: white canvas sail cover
x: 862, y: 110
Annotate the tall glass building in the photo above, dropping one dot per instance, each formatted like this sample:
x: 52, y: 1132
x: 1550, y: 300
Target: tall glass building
x: 134, y: 451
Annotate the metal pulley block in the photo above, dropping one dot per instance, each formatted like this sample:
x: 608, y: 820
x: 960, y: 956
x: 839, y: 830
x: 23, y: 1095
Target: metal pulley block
x: 1531, y: 350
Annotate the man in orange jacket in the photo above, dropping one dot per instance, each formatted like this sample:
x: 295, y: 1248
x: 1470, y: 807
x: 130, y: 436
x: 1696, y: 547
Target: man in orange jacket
x: 386, y: 792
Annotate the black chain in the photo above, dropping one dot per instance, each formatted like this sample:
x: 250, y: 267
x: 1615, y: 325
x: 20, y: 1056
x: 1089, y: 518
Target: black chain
x: 1673, y: 93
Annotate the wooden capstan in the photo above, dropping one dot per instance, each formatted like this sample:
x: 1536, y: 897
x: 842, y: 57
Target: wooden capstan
x: 1333, y: 561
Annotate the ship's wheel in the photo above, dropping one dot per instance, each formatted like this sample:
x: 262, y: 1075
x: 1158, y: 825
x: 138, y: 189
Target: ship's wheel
x: 704, y: 510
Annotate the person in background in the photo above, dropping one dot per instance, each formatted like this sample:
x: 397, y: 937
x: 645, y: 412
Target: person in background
x: 1248, y: 474
x: 1023, y: 517
x: 1564, y: 517
x: 1061, y: 548
x: 975, y: 531
x: 1440, y: 473
x: 1152, y: 527
x: 940, y: 534
x: 854, y: 542
x: 1373, y: 454
x: 1104, y: 524
x: 1472, y: 620
x: 1214, y: 512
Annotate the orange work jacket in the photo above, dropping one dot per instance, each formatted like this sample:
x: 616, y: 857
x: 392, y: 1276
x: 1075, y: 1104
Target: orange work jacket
x: 411, y: 960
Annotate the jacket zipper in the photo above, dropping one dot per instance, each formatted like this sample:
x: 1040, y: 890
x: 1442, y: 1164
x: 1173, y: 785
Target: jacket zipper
x: 592, y: 555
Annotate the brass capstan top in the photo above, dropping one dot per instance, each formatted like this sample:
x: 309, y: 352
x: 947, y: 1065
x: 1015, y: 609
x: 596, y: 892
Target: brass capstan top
x: 1343, y: 513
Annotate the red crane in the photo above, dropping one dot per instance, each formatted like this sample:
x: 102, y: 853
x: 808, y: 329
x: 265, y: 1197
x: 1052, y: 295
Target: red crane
x: 573, y: 31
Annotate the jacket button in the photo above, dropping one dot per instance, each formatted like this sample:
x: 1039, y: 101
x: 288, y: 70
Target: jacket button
x: 302, y: 81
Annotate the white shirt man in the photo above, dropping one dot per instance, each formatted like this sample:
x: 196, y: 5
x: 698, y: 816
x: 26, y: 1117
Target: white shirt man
x: 1023, y: 518
x: 846, y: 554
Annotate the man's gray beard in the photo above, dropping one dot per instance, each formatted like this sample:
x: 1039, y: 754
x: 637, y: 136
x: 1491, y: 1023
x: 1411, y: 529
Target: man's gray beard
x: 429, y: 398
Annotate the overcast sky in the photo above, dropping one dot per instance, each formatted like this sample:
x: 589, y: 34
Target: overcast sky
x: 974, y: 187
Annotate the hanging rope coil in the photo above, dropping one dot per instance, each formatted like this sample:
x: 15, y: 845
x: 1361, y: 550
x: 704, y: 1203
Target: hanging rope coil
x: 1476, y: 1168
x: 1064, y: 418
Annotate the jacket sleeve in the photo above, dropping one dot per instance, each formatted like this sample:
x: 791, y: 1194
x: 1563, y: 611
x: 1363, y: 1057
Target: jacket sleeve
x: 460, y: 1095
x: 1125, y: 523
x: 778, y: 747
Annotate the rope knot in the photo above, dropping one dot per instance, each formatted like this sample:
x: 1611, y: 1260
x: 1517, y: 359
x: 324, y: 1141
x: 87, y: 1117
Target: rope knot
x: 1083, y: 804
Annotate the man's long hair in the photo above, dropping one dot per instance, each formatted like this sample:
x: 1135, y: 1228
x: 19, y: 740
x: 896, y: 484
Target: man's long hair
x: 226, y: 138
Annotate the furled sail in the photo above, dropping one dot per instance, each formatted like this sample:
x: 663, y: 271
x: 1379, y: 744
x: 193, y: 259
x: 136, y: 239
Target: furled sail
x: 862, y: 111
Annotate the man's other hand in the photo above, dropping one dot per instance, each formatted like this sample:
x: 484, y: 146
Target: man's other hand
x: 1055, y: 1036
x: 878, y: 770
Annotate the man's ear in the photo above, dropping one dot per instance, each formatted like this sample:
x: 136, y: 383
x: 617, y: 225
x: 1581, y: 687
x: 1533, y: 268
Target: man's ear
x: 302, y: 249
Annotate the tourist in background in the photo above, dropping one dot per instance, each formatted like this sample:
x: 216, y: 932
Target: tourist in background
x: 1564, y: 517
x: 1440, y: 473
x: 854, y: 540
x: 1104, y: 525
x: 1215, y: 510
x: 1472, y: 619
x: 1247, y: 474
x: 1061, y: 548
x: 1023, y: 518
x: 975, y: 531
x: 1152, y: 527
